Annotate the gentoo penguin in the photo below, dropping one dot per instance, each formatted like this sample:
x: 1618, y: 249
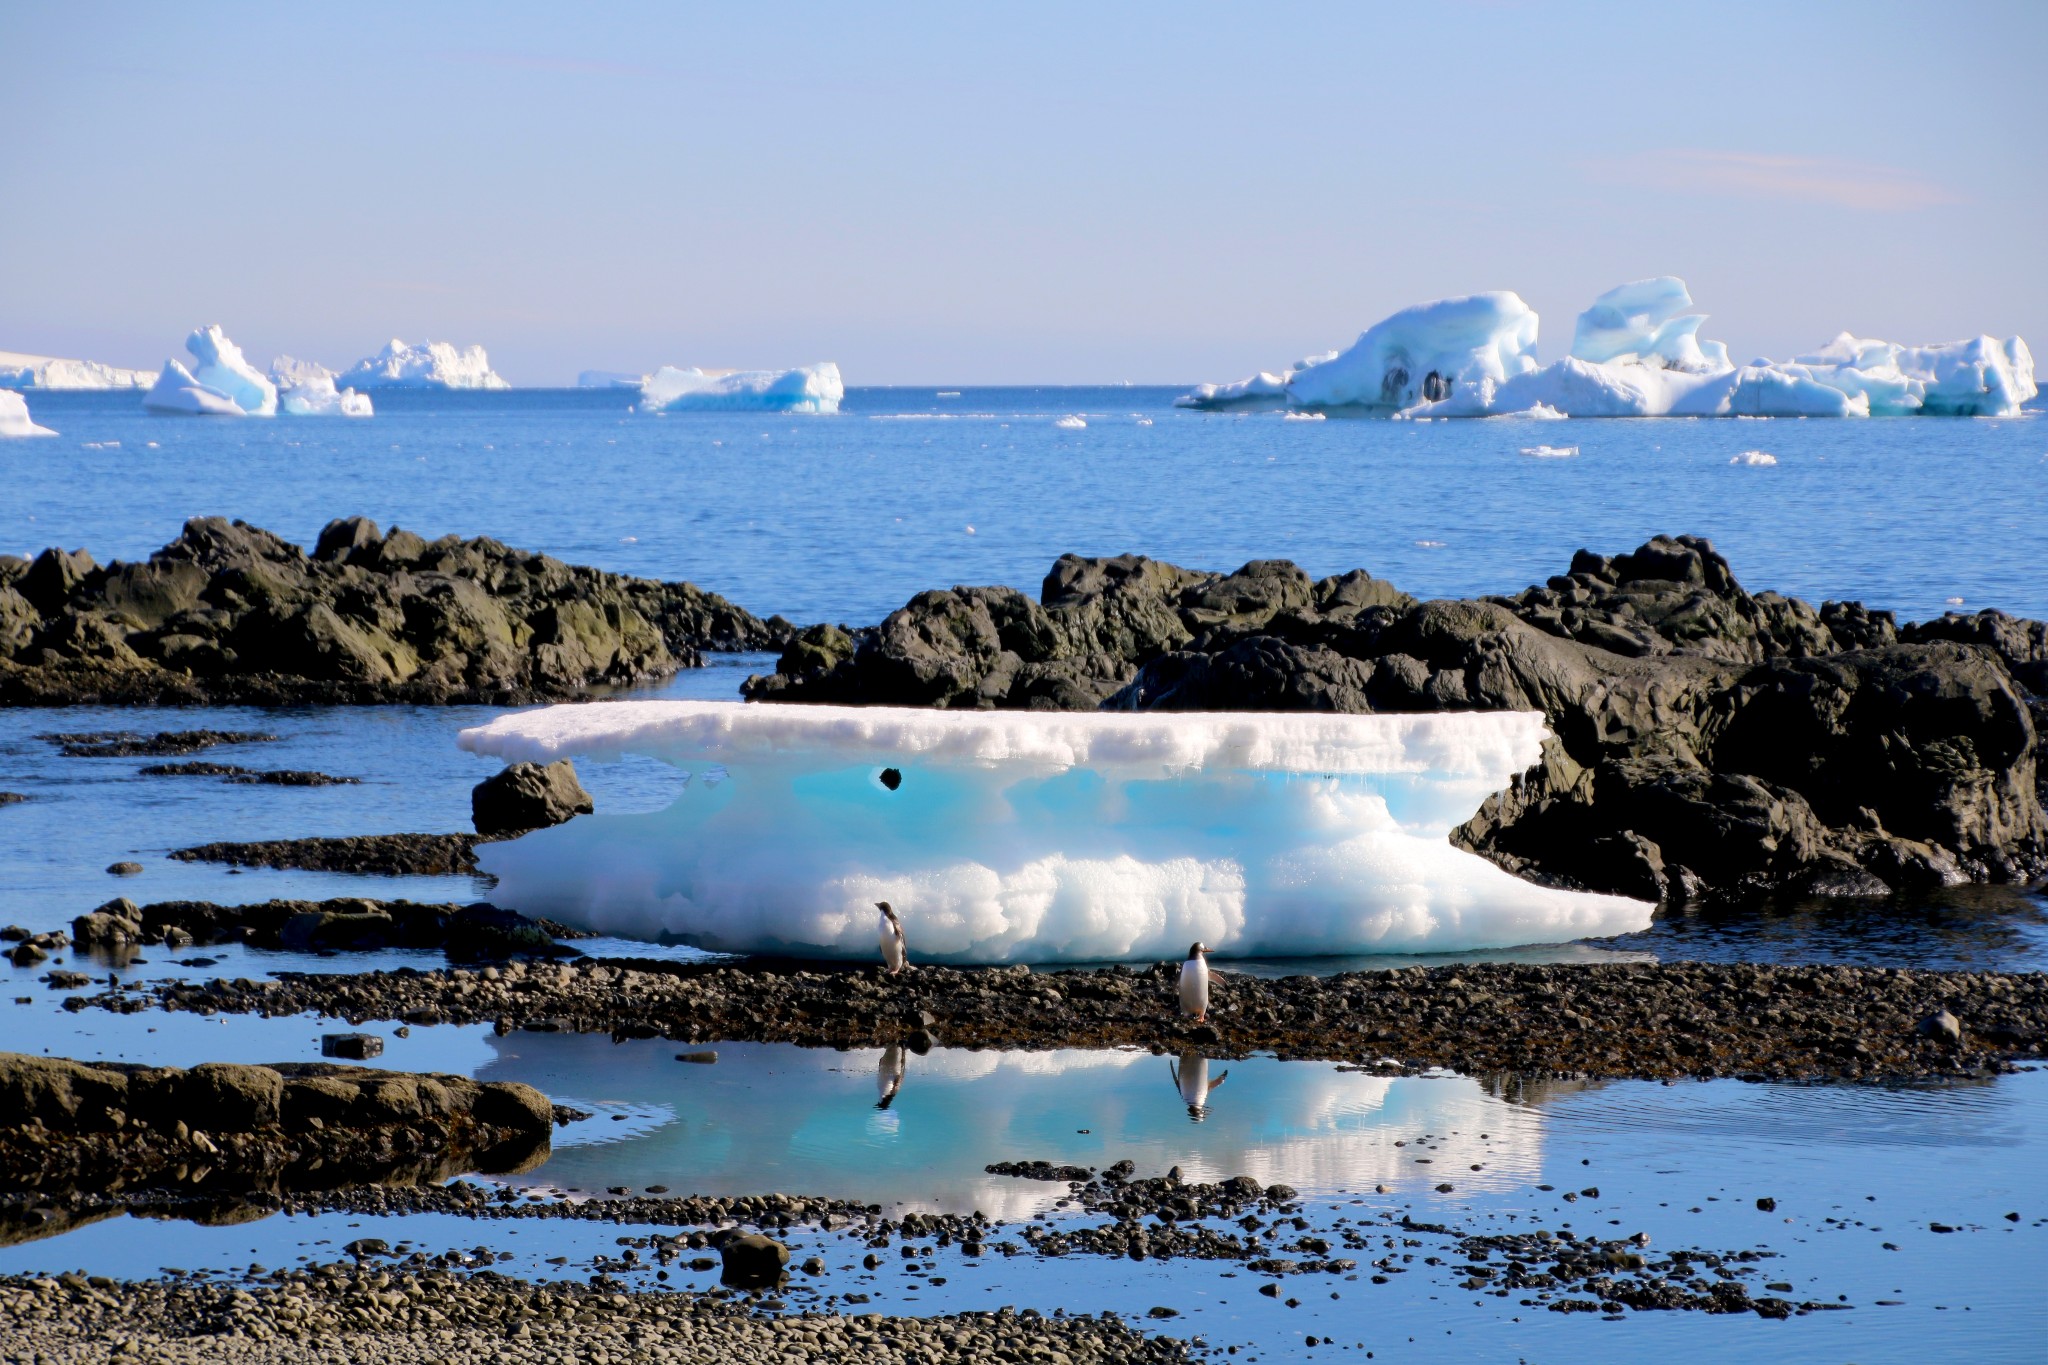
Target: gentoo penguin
x: 889, y: 1076
x: 1194, y: 983
x: 1191, y: 1075
x: 894, y: 952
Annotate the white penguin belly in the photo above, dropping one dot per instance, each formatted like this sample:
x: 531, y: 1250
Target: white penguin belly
x: 1194, y: 986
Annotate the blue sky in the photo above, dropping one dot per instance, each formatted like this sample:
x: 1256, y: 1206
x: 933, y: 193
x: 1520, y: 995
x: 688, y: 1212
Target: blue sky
x: 1023, y: 193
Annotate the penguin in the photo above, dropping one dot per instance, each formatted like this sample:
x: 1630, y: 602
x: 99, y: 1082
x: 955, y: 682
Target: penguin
x: 889, y: 1076
x: 1194, y: 983
x: 1191, y: 1076
x: 894, y: 952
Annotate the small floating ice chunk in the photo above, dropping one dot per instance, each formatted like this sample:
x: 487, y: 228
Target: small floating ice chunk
x: 1301, y: 417
x: 1954, y: 601
x: 1758, y: 458
x: 14, y: 418
x: 316, y: 396
x: 1041, y: 836
x: 1071, y: 423
x: 1551, y: 452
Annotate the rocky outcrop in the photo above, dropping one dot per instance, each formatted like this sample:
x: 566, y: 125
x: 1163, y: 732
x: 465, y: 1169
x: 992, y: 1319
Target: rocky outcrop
x: 528, y: 796
x: 465, y: 932
x: 419, y: 855
x: 1708, y: 739
x: 253, y: 1126
x: 229, y: 612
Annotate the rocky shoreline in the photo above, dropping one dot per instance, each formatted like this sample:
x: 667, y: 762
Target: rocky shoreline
x: 1709, y: 740
x: 465, y: 932
x: 229, y: 613
x: 1654, y: 1021
x: 352, y: 1312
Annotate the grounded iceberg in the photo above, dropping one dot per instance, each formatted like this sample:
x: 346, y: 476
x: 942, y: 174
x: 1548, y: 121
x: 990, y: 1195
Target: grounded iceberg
x: 429, y: 365
x: 1007, y: 836
x: 808, y: 388
x: 22, y: 371
x: 1636, y: 352
x: 221, y: 384
x: 14, y: 418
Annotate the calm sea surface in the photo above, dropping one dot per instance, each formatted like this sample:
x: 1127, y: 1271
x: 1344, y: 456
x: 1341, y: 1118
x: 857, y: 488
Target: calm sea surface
x: 843, y: 518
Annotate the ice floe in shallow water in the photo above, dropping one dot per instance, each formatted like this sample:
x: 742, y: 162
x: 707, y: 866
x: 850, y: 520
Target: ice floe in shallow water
x: 1551, y: 452
x: 220, y: 383
x: 14, y: 418
x: 428, y: 365
x: 808, y: 388
x: 1636, y: 352
x: 19, y: 370
x: 1071, y: 423
x: 1761, y: 459
x: 1035, y: 836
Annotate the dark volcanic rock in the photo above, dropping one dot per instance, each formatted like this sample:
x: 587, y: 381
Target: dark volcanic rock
x: 1708, y: 739
x: 466, y: 932
x: 64, y: 1122
x: 164, y: 743
x: 427, y: 855
x: 528, y: 796
x: 269, y: 777
x: 229, y: 612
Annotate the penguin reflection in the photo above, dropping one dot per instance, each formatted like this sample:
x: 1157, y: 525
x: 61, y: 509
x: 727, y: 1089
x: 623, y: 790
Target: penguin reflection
x: 1191, y: 1075
x: 889, y: 1076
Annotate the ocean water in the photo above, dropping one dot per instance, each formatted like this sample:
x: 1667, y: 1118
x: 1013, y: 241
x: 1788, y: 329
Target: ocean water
x: 843, y: 518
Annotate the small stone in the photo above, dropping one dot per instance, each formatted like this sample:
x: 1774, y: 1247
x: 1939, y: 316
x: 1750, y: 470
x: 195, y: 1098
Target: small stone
x: 1767, y: 1205
x: 1942, y: 1027
x: 355, y: 1047
x: 704, y: 1058
x: 125, y: 869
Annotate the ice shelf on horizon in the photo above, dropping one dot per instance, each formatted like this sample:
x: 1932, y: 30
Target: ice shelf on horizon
x: 19, y: 370
x: 429, y: 365
x: 1635, y: 352
x: 1013, y: 836
x: 14, y: 418
x: 807, y: 388
x: 221, y: 384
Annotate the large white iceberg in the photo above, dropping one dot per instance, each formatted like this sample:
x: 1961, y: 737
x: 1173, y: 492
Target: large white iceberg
x: 222, y: 383
x: 429, y: 365
x: 808, y: 388
x: 19, y: 370
x: 1007, y: 836
x: 14, y: 418
x: 1636, y: 352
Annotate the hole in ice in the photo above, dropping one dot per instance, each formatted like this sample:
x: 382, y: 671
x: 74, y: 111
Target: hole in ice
x: 892, y: 778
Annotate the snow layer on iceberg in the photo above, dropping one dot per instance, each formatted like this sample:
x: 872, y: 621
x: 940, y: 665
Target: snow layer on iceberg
x: 1015, y: 836
x: 808, y: 388
x: 22, y: 371
x: 429, y: 365
x: 1635, y: 352
x: 14, y: 418
x: 222, y: 383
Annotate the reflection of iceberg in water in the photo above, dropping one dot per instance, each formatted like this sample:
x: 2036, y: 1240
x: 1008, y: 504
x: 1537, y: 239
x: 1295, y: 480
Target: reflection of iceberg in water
x: 1036, y: 836
x: 772, y: 1117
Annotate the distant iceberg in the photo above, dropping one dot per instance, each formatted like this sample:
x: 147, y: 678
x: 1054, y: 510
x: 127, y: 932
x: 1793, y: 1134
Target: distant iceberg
x: 809, y: 388
x: 306, y: 389
x: 1014, y: 836
x: 1636, y: 352
x: 429, y: 365
x: 14, y: 418
x: 21, y: 371
x: 610, y: 379
x: 221, y: 384
x: 317, y: 397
